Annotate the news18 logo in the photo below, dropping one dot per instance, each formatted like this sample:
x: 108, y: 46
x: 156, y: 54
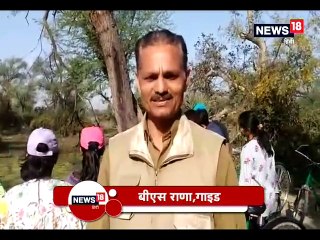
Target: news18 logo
x: 89, y: 201
x: 296, y: 26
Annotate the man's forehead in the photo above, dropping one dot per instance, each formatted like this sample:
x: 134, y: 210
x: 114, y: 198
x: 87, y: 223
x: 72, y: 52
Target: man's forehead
x: 165, y: 55
x: 160, y: 47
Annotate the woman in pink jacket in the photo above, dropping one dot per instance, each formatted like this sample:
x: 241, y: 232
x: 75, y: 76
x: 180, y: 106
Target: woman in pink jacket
x: 92, y: 146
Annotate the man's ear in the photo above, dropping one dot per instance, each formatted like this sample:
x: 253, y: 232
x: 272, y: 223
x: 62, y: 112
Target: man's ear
x: 137, y: 84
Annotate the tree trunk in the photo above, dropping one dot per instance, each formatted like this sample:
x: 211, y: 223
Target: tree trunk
x: 262, y: 60
x: 114, y: 58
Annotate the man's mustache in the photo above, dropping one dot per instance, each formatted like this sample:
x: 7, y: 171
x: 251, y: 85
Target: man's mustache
x: 160, y: 97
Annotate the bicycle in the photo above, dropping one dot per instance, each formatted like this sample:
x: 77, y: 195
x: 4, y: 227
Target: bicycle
x: 301, y: 203
x: 284, y: 184
x: 274, y: 221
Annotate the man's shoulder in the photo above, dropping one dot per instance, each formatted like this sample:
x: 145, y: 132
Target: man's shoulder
x: 125, y: 134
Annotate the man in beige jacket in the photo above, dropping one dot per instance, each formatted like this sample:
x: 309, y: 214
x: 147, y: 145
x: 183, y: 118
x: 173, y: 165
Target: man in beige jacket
x: 166, y: 149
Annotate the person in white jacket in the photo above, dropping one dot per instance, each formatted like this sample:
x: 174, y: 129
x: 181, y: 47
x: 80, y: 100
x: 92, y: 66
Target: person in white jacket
x: 258, y: 160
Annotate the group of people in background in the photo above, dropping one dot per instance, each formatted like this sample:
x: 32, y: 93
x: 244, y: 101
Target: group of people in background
x: 257, y: 159
x: 29, y: 205
x: 169, y: 148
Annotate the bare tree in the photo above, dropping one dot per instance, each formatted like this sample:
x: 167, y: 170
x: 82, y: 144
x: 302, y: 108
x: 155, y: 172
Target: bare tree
x: 259, y: 42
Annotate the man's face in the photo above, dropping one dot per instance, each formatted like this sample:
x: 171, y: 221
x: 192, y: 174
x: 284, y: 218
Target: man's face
x: 162, y: 80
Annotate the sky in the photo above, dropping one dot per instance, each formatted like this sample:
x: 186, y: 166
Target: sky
x: 19, y: 38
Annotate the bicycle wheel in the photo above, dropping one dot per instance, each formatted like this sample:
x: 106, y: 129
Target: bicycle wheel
x: 300, y: 206
x: 284, y: 223
x: 284, y: 184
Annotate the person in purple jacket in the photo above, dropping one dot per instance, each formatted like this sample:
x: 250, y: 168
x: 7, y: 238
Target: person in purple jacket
x: 92, y: 146
x: 202, y: 116
x: 199, y: 115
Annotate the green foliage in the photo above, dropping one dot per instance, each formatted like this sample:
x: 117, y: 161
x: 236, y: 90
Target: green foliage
x: 134, y: 24
x: 227, y: 77
x: 62, y: 122
x: 310, y: 110
x: 17, y: 94
x: 44, y: 120
x: 77, y: 37
x: 275, y: 95
x: 284, y: 91
x: 66, y: 87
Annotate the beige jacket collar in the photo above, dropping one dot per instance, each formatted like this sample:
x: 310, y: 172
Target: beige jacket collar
x: 182, y: 145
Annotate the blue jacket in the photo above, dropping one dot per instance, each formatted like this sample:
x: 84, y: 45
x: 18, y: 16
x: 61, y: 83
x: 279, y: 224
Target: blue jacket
x: 219, y: 129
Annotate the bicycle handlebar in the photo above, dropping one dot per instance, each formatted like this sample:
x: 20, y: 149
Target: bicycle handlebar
x: 303, y: 145
x: 305, y: 156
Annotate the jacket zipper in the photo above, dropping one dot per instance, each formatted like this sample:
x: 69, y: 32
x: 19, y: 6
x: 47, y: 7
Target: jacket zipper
x: 149, y: 164
x: 157, y: 169
x: 171, y: 159
x: 156, y: 179
x: 167, y: 161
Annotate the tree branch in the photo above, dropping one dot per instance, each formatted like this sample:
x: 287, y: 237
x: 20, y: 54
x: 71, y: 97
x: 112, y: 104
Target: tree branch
x: 221, y: 114
x: 104, y: 96
x: 133, y: 18
x: 26, y: 17
x: 278, y: 51
x: 92, y: 109
x: 225, y: 76
x: 235, y: 137
x: 249, y: 36
x: 100, y: 92
x: 39, y: 41
x: 60, y: 64
x: 56, y: 55
x: 302, y: 94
